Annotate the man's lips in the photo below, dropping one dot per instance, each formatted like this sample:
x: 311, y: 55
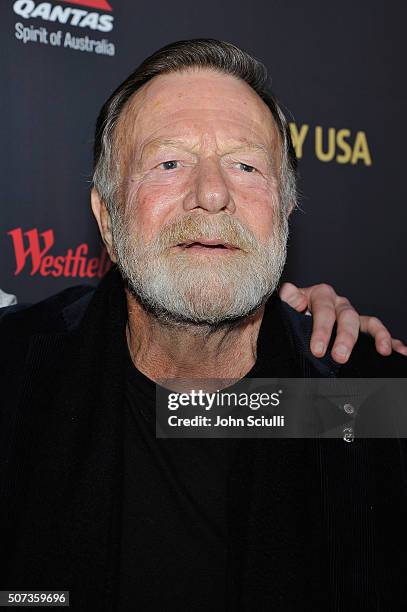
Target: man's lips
x: 209, y: 244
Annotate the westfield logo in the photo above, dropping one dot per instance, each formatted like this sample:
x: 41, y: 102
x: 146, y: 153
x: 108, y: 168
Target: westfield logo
x: 32, y: 250
x: 98, y: 4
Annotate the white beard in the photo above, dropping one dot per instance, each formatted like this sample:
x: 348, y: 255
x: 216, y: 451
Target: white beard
x: 185, y: 288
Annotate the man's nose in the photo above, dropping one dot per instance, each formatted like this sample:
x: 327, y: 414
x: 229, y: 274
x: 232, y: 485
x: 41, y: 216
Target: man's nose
x: 210, y: 190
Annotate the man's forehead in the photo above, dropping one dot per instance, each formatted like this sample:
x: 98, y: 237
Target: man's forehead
x: 201, y: 89
x: 188, y: 95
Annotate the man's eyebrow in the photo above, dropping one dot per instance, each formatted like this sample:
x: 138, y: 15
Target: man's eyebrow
x: 252, y: 146
x: 232, y: 146
x: 159, y: 143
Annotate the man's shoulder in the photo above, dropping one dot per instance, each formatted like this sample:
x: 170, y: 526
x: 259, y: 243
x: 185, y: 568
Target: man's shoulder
x: 365, y: 361
x: 58, y: 313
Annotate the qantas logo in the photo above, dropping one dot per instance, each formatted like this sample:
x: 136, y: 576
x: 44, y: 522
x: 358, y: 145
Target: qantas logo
x: 69, y: 15
x: 98, y: 4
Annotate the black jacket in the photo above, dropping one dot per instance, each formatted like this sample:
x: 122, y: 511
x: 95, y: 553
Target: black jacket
x: 336, y: 546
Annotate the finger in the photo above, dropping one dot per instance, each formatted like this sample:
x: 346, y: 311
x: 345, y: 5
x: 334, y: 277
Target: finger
x: 321, y: 303
x: 399, y: 346
x: 293, y: 296
x: 382, y: 337
x: 348, y: 327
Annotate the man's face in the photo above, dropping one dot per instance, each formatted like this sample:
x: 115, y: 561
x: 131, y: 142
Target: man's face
x: 200, y: 157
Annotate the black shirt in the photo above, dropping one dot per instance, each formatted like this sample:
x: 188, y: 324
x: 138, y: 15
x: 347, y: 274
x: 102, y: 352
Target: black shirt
x: 175, y: 549
x: 175, y: 534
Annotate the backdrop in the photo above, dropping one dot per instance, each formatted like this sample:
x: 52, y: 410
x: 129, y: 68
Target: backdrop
x: 338, y: 67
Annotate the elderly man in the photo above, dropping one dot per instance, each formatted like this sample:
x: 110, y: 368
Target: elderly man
x: 194, y: 183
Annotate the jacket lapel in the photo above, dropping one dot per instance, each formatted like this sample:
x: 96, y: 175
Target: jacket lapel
x: 68, y: 456
x: 274, y: 520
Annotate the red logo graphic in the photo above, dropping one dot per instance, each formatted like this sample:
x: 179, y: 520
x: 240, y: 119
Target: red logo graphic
x: 103, y: 5
x: 71, y: 264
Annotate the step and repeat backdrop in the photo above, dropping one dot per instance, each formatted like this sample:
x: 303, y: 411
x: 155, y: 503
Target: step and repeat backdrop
x: 338, y: 68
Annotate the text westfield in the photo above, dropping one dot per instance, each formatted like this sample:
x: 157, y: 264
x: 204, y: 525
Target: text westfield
x: 32, y: 248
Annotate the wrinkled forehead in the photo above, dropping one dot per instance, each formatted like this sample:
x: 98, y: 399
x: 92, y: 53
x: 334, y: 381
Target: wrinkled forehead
x: 194, y: 97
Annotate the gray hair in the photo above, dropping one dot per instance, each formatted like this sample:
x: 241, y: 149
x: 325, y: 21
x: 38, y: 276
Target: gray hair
x: 200, y: 52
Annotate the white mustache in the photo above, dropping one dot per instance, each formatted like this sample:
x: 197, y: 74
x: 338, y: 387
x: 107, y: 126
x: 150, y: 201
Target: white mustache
x: 195, y: 228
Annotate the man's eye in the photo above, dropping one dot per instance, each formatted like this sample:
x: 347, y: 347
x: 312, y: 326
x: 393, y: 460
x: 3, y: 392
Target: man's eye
x: 247, y: 168
x: 169, y: 165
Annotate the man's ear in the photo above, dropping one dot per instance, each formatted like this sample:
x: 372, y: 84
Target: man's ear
x: 103, y: 220
x: 290, y: 210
